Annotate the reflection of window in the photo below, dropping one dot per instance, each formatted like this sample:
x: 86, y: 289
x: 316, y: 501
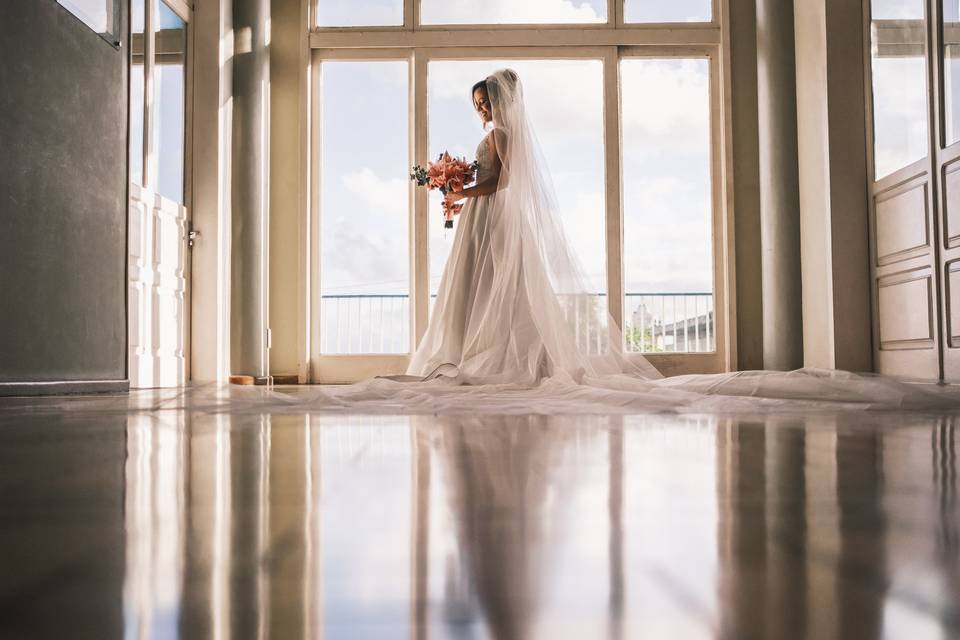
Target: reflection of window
x: 364, y: 210
x: 898, y: 37
x: 667, y: 11
x: 364, y: 544
x: 103, y: 16
x: 513, y: 12
x: 350, y: 13
x: 667, y: 206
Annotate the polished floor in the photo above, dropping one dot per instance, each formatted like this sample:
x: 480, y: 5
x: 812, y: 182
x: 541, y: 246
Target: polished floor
x: 120, y: 518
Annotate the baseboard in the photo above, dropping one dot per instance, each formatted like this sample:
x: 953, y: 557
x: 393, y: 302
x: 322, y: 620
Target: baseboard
x: 63, y: 387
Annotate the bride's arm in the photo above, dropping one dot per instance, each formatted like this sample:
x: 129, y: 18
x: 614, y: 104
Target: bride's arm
x: 490, y: 184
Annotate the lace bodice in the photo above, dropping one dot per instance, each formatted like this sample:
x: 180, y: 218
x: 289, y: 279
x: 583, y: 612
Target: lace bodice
x: 484, y: 158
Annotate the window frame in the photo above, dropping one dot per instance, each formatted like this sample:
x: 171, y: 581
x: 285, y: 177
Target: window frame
x: 609, y: 42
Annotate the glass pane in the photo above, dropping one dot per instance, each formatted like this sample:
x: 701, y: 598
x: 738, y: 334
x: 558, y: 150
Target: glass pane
x: 667, y: 11
x: 168, y: 93
x: 574, y: 154
x: 100, y: 15
x: 364, y: 226
x: 667, y: 226
x: 136, y: 92
x: 951, y: 70
x: 512, y: 11
x: 350, y: 13
x: 899, y: 84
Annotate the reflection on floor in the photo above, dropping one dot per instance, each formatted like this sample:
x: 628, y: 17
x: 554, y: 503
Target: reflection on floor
x: 162, y: 524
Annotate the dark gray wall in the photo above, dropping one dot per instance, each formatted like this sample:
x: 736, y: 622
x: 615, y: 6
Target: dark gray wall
x: 63, y: 193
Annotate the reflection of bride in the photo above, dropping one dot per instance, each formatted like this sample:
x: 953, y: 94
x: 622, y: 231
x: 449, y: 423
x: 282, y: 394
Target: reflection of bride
x: 499, y: 471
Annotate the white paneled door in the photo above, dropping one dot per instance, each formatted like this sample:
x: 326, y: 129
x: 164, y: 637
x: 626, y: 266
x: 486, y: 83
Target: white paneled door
x: 914, y: 79
x: 903, y: 226
x: 158, y: 261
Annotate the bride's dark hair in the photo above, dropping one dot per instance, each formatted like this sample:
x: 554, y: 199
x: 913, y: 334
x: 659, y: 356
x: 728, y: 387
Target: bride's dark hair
x: 480, y: 85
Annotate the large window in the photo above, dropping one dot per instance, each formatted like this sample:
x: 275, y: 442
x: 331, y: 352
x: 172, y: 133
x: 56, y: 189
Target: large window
x: 626, y: 118
x: 667, y: 208
x: 364, y: 259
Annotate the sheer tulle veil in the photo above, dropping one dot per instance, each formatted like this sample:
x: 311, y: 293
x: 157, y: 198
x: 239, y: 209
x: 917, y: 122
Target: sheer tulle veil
x: 579, y: 334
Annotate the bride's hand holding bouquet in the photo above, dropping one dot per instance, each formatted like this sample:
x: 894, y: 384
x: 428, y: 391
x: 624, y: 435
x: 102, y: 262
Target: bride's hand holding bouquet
x: 448, y: 175
x: 450, y: 202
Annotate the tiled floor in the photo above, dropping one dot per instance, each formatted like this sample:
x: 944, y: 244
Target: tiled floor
x: 163, y: 524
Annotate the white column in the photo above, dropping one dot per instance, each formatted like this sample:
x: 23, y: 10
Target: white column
x: 250, y: 192
x: 212, y: 111
x: 833, y: 184
x: 779, y: 200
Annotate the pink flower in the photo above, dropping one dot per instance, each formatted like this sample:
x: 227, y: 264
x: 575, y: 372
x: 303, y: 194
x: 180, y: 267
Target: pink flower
x: 435, y: 175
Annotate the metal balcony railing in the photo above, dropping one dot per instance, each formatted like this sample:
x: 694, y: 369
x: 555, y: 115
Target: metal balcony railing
x: 653, y: 323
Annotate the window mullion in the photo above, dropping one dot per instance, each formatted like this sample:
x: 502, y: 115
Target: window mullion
x: 419, y: 200
x: 615, y: 13
x: 614, y: 191
x: 411, y: 14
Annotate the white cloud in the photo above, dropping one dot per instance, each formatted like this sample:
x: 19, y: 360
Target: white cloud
x: 366, y: 245
x: 342, y: 13
x: 388, y: 195
x: 667, y: 235
x: 509, y: 11
x: 665, y: 103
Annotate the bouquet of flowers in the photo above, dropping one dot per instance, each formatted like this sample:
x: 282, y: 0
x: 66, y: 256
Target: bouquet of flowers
x: 446, y: 174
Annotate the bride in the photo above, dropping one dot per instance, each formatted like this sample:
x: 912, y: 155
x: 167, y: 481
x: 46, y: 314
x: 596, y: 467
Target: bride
x: 516, y: 329
x: 513, y: 305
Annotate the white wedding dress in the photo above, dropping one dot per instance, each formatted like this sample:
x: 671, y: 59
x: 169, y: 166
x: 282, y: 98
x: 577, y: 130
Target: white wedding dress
x: 516, y: 329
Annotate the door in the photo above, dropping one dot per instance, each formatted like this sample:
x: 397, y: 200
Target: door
x: 159, y: 222
x: 947, y: 145
x: 903, y: 185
